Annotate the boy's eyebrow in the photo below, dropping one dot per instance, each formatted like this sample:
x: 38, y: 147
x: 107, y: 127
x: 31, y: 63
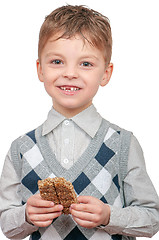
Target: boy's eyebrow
x: 89, y: 56
x: 49, y: 54
x: 53, y: 53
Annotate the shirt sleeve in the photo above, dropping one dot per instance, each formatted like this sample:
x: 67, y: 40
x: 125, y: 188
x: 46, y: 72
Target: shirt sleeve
x: 12, y: 212
x: 140, y: 217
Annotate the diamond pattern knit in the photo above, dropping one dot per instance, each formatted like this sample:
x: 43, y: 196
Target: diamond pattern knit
x: 96, y: 173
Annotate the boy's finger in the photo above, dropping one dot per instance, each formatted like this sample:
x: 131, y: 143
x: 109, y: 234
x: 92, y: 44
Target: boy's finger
x: 85, y: 199
x: 42, y: 224
x: 89, y: 208
x: 83, y: 215
x: 44, y: 217
x: 84, y: 223
x: 37, y: 201
x: 39, y: 210
x: 43, y: 204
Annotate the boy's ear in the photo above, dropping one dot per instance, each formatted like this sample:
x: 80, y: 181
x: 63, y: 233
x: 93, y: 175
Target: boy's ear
x: 39, y: 70
x: 107, y: 75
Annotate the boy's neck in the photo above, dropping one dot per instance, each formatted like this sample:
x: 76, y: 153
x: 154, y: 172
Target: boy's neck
x: 69, y: 113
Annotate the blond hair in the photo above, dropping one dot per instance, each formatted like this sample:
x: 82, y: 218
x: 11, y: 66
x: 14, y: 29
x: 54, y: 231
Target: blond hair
x: 71, y: 20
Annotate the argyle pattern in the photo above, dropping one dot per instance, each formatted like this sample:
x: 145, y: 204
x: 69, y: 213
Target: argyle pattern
x: 98, y: 178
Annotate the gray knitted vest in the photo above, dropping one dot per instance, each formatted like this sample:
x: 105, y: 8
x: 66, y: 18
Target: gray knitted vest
x: 99, y: 172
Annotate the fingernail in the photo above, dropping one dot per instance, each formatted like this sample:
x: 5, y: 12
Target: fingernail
x: 51, y: 204
x: 60, y: 207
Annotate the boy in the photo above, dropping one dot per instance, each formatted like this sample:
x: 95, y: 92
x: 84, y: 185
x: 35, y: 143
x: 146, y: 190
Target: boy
x: 104, y: 162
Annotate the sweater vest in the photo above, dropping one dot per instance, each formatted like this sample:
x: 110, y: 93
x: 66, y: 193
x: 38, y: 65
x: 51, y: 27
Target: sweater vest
x: 99, y: 172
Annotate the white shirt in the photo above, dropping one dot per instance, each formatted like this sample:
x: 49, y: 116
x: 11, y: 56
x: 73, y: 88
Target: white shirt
x: 140, y: 196
x: 69, y: 138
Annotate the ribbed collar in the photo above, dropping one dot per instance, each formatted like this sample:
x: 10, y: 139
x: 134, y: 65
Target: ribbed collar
x: 88, y: 120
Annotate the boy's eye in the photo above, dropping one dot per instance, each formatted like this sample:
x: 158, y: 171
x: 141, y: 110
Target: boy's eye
x: 86, y: 64
x: 57, y: 61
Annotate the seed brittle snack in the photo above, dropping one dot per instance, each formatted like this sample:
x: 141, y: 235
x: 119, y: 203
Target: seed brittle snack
x: 59, y: 191
x: 47, y: 190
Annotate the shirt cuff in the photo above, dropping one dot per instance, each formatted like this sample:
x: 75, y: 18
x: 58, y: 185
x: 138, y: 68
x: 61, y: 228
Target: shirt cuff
x: 17, y: 227
x: 113, y: 225
x: 24, y: 224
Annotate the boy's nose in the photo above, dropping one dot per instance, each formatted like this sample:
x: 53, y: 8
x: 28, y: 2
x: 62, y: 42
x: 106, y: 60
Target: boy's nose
x: 70, y: 73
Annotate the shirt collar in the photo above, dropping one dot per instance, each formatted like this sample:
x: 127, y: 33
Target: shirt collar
x: 88, y: 120
x: 53, y: 120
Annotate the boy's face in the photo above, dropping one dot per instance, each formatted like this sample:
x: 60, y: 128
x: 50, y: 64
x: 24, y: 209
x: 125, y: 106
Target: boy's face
x: 72, y: 71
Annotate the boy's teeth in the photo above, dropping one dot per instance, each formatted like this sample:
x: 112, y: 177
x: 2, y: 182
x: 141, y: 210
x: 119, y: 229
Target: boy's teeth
x: 69, y: 89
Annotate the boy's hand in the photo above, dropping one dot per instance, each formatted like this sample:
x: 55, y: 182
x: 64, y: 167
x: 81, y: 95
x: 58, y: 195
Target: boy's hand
x: 91, y: 212
x: 40, y: 212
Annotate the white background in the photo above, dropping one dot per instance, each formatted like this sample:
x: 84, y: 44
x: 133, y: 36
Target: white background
x: 131, y: 98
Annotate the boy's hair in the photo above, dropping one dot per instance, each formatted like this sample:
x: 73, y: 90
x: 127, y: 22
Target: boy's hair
x: 71, y: 20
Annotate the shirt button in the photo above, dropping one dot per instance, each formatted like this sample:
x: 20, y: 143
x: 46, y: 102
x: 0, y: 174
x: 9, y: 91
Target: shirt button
x: 65, y: 160
x: 66, y: 122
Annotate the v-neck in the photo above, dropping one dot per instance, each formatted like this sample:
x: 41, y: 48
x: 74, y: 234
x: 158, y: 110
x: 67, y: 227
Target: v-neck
x: 90, y: 152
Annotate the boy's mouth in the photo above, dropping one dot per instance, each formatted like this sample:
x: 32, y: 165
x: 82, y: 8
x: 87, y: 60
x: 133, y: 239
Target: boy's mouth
x: 69, y: 88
